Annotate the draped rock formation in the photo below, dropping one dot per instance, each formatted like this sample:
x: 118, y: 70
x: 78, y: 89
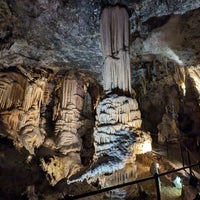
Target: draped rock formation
x: 72, y: 137
x: 21, y: 100
x: 53, y: 112
x: 67, y: 114
x: 115, y: 47
x: 194, y: 76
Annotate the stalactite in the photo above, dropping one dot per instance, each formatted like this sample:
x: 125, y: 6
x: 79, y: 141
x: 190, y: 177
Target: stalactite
x: 22, y: 98
x: 115, y: 43
x: 144, y: 86
x: 69, y: 89
x: 69, y: 105
x: 34, y: 94
x: 12, y: 86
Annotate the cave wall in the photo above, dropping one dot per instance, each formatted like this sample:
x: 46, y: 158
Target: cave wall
x: 46, y: 46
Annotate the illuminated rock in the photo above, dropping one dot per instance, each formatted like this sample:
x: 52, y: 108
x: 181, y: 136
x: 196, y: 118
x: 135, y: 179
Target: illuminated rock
x: 20, y: 109
x: 117, y: 139
x: 72, y: 137
x: 57, y: 168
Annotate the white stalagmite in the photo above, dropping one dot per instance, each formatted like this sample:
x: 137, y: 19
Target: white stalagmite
x: 115, y: 47
x: 116, y: 139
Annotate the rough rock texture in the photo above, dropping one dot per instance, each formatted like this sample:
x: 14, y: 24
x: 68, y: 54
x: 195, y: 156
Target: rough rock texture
x: 21, y: 99
x: 68, y: 119
x: 58, y: 168
x: 193, y: 74
x: 56, y: 33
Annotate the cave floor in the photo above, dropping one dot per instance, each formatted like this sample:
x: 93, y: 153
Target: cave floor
x: 168, y: 157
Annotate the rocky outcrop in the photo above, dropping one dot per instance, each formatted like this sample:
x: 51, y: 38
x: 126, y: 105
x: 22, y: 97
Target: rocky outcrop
x: 39, y: 109
x: 58, y: 168
x: 160, y: 88
x: 21, y: 99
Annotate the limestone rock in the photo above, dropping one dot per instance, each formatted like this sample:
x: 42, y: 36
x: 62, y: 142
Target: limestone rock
x: 194, y: 76
x: 20, y: 109
x: 115, y: 47
x: 70, y: 24
x: 72, y: 138
x: 116, y: 139
x: 58, y: 168
x: 168, y: 130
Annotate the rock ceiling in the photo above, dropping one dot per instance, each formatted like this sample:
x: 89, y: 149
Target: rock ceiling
x: 63, y: 33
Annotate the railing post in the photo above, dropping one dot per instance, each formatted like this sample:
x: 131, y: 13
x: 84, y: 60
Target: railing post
x: 182, y: 156
x: 157, y: 181
x: 189, y: 161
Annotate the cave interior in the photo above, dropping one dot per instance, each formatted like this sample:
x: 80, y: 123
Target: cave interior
x: 99, y: 93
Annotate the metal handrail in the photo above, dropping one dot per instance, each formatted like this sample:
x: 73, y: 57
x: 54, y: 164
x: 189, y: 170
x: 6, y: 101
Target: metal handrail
x: 155, y: 177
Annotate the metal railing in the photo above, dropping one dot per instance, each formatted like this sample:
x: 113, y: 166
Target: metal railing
x: 155, y: 177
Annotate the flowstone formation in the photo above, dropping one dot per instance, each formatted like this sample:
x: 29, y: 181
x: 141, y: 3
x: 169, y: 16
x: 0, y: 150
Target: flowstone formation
x: 51, y: 116
x: 117, y: 135
x: 118, y: 119
x: 72, y: 140
x: 21, y: 98
x: 115, y: 47
x: 67, y: 116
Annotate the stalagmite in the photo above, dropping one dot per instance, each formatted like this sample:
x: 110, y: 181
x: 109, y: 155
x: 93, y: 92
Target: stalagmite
x: 67, y: 113
x: 115, y: 47
x: 68, y: 110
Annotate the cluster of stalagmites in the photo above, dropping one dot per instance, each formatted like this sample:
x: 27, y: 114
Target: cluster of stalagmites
x: 55, y: 113
x: 37, y: 110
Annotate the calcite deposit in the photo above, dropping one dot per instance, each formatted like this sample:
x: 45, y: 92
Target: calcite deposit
x: 21, y: 99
